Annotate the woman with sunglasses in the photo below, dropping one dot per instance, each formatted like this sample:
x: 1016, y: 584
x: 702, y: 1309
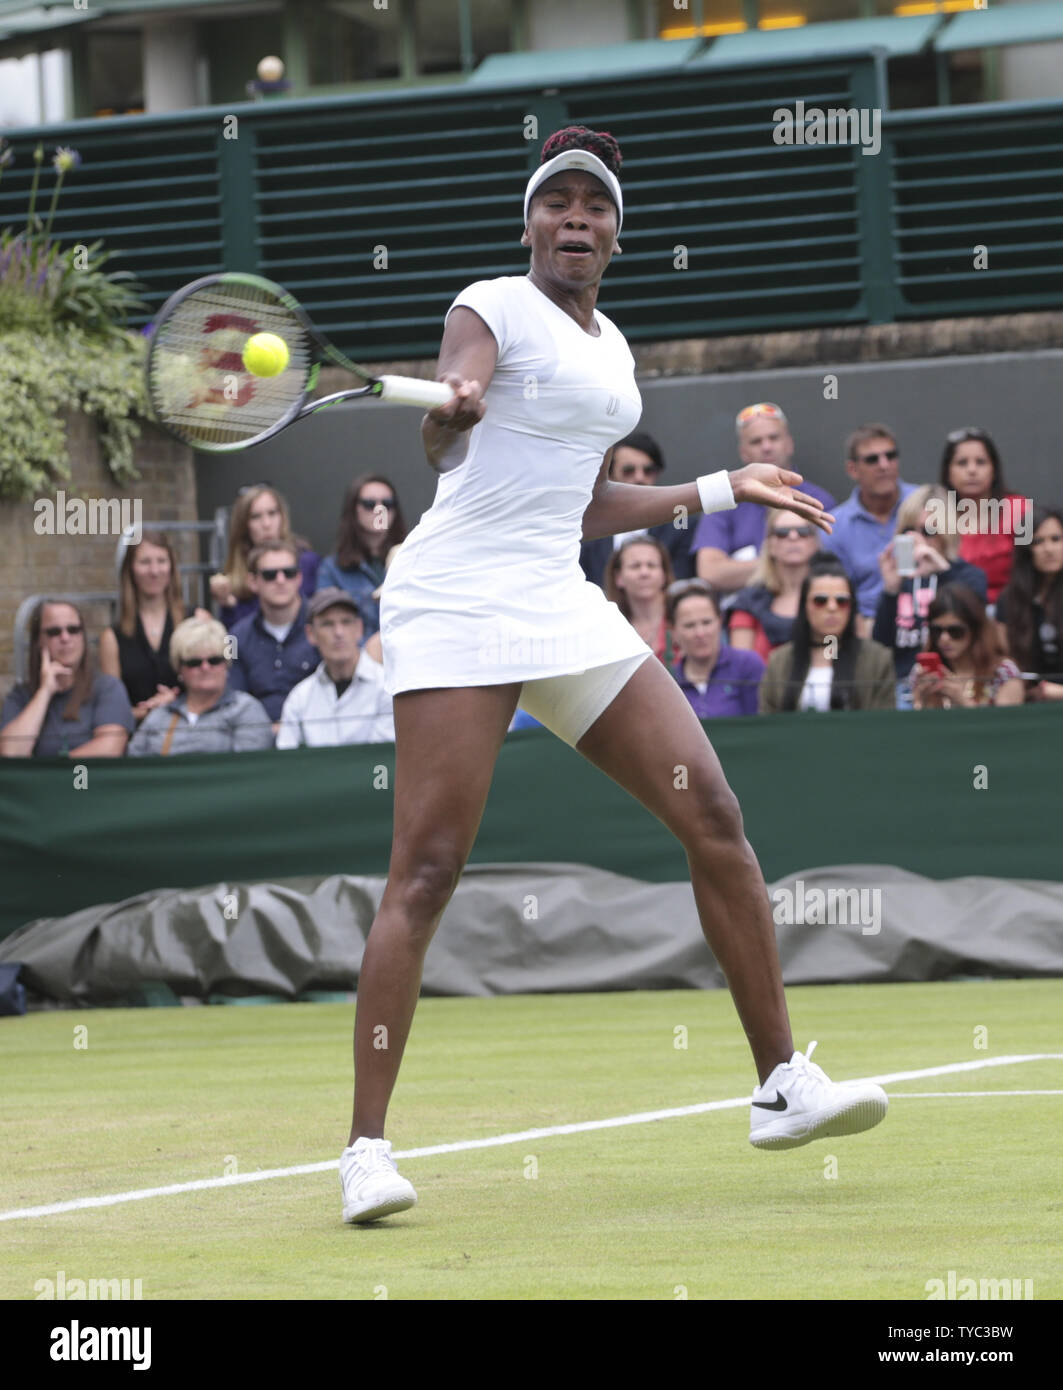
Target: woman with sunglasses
x: 1029, y: 612
x: 65, y: 709
x: 762, y: 615
x: 206, y: 717
x: 370, y: 524
x: 259, y: 515
x: 904, y: 604
x: 973, y: 670
x: 970, y: 467
x: 826, y: 666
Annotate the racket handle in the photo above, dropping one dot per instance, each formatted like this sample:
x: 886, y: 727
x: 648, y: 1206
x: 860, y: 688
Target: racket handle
x: 411, y: 390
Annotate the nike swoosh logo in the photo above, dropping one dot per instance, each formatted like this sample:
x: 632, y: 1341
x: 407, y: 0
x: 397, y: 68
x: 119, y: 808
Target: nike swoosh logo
x: 777, y: 1104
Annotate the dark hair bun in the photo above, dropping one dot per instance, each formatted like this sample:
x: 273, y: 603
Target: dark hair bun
x: 579, y: 137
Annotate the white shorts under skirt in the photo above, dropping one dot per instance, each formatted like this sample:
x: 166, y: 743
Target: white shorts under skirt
x: 569, y: 705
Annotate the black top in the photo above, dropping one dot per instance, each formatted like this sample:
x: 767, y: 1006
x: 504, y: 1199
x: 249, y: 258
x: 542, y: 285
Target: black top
x: 143, y: 668
x: 1047, y: 656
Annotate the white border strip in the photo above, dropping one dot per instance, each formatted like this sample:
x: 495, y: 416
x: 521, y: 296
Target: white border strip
x: 520, y: 1137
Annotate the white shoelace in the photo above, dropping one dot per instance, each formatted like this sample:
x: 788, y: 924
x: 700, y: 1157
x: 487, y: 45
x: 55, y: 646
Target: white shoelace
x: 808, y: 1073
x: 375, y: 1156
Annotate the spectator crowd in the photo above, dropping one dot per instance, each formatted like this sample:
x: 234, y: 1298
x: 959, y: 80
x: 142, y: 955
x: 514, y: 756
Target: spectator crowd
x: 927, y: 595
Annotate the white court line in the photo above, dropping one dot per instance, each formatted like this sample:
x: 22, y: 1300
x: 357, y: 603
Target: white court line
x: 523, y: 1136
x: 947, y: 1095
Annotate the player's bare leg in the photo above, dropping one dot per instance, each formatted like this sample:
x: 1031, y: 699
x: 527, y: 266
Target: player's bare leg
x: 446, y: 745
x: 646, y: 732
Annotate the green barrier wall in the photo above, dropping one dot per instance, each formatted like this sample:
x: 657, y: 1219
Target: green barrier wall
x: 862, y: 788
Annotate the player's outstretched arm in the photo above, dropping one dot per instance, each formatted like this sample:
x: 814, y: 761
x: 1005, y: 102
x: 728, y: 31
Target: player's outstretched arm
x: 777, y: 487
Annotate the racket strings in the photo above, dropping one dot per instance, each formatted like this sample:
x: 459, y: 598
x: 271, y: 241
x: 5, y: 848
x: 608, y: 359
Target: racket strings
x: 199, y: 385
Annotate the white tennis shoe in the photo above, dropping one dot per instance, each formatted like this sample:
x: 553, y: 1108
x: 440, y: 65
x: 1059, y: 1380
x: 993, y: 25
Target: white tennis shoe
x: 799, y: 1102
x: 372, y: 1185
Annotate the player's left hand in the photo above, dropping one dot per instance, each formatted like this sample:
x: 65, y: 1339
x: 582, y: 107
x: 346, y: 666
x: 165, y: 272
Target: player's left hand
x: 770, y: 486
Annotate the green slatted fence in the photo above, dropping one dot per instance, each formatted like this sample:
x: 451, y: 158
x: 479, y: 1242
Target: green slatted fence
x: 776, y: 236
x: 981, y: 176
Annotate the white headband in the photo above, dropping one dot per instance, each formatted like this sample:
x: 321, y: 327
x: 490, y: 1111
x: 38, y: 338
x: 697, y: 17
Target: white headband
x: 576, y: 159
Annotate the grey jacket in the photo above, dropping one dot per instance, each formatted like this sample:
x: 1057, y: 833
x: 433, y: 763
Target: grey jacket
x: 236, y: 724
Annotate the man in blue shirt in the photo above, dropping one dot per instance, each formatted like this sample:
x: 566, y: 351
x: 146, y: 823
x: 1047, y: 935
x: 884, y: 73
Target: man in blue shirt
x: 864, y: 523
x: 273, y: 653
x: 725, y: 544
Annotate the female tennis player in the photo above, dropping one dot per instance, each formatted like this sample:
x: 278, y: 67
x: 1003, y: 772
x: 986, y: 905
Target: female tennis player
x: 486, y: 607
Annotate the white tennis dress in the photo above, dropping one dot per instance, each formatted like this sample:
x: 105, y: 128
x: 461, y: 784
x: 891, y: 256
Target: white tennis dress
x: 487, y: 588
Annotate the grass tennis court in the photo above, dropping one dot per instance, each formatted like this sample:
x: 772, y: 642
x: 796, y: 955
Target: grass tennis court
x: 644, y: 1211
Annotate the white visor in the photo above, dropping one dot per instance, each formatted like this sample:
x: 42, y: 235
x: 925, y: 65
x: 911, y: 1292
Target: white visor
x: 576, y: 159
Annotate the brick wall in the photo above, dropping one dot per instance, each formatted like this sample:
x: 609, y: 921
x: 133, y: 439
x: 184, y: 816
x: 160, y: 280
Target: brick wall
x: 40, y: 564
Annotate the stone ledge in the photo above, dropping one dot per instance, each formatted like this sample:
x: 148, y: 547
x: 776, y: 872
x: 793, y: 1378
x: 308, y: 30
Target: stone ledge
x: 880, y: 342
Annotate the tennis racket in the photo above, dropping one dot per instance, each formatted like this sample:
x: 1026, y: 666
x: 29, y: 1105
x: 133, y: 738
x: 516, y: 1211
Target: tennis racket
x: 203, y: 394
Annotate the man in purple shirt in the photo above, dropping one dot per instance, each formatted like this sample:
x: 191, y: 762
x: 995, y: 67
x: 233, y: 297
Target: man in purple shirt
x: 716, y: 680
x: 865, y: 522
x: 725, y: 544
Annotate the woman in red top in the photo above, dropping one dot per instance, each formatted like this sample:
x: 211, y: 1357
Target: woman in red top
x: 970, y: 467
x: 636, y: 577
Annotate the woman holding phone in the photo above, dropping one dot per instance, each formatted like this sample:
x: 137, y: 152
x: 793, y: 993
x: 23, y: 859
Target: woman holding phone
x: 919, y: 560
x: 964, y: 665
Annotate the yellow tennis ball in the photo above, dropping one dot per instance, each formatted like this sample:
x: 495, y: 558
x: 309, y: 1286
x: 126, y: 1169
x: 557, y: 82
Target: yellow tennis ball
x: 265, y: 354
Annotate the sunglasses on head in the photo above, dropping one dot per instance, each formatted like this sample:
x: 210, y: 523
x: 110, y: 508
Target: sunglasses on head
x: 194, y: 661
x: 71, y: 630
x: 821, y: 600
x: 890, y: 454
x: 956, y: 631
x: 959, y: 436
x: 763, y: 408
x: 289, y: 572
x: 782, y: 533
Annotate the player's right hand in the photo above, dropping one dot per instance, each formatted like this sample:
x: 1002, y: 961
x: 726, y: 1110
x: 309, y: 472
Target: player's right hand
x: 467, y: 407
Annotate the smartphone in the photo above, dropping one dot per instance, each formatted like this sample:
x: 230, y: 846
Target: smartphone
x: 931, y: 663
x: 904, y: 554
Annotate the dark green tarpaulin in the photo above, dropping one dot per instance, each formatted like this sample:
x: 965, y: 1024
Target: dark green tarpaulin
x: 862, y: 788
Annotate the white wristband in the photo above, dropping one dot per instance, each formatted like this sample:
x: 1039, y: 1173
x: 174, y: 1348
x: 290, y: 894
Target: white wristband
x: 715, y: 492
